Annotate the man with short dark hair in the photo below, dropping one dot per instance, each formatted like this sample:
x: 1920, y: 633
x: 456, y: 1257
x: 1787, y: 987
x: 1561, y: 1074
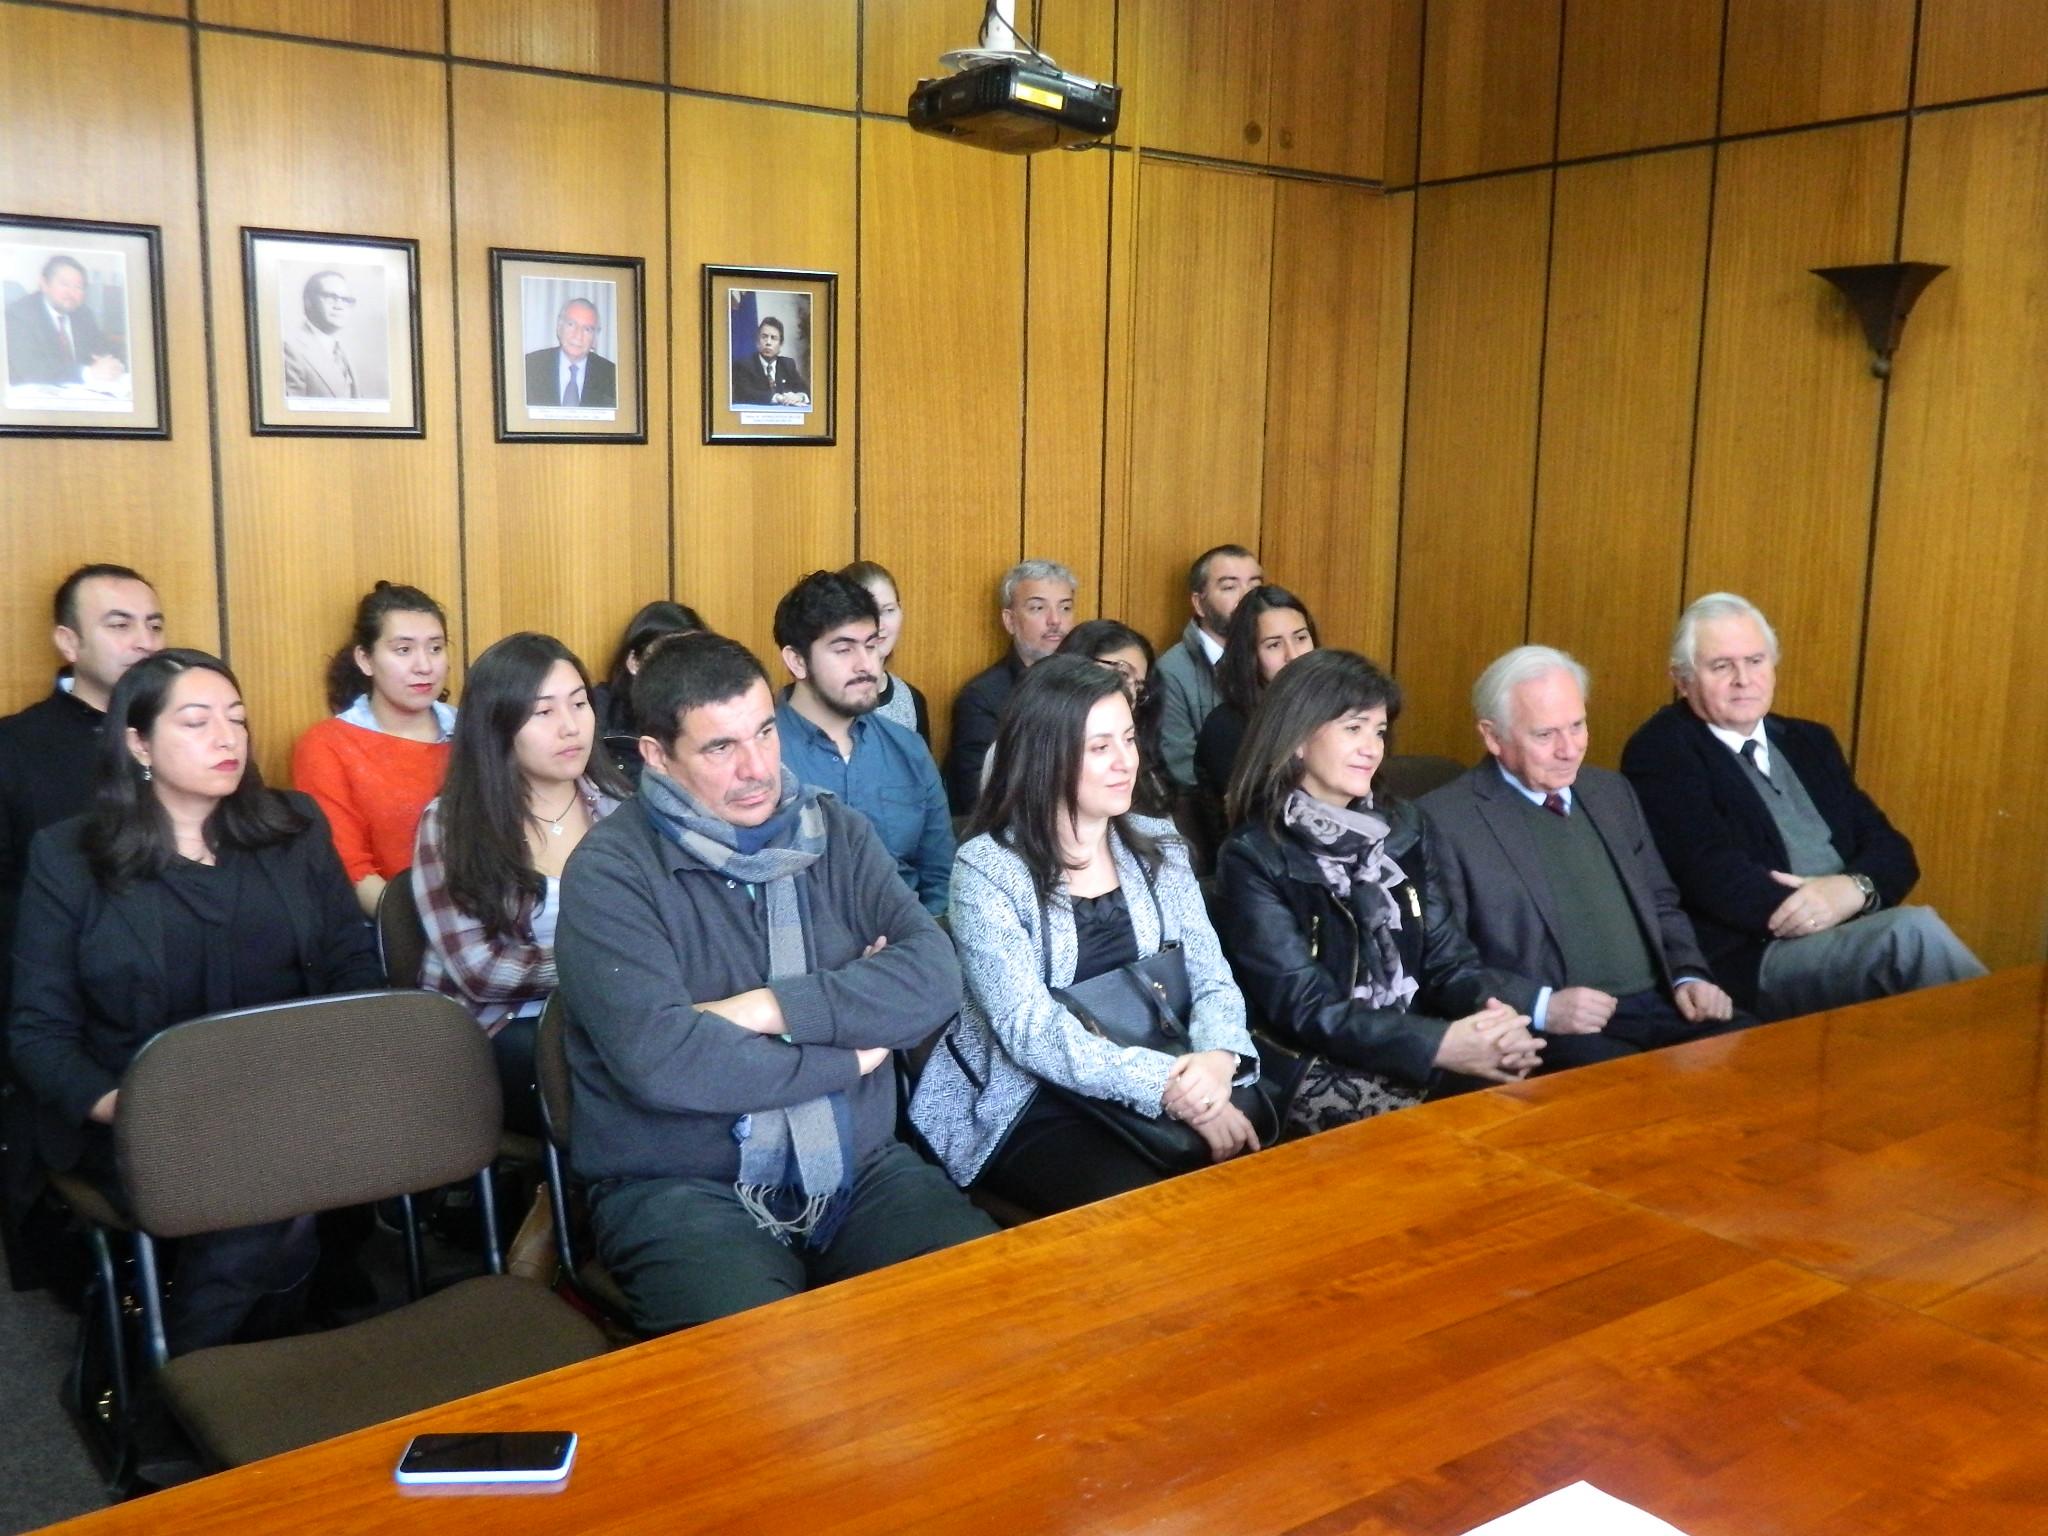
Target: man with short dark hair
x: 829, y: 630
x: 1792, y: 874
x: 572, y: 372
x: 316, y: 364
x: 1037, y: 598
x: 739, y: 958
x: 107, y: 619
x: 1552, y: 873
x: 1217, y: 583
x: 769, y: 378
x: 53, y: 337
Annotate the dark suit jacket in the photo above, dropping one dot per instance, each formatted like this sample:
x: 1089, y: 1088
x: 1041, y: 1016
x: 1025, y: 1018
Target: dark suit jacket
x: 33, y: 354
x: 1503, y: 898
x: 544, y: 379
x: 1719, y: 841
x: 750, y: 384
x: 975, y: 713
x: 90, y: 974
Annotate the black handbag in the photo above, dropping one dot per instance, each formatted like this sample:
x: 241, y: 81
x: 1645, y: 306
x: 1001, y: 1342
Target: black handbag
x: 1146, y: 1004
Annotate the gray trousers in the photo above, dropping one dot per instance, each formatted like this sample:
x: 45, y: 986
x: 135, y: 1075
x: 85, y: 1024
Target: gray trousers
x: 1899, y: 949
x: 685, y: 1250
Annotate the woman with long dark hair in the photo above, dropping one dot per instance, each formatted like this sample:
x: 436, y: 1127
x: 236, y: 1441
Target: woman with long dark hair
x: 376, y: 762
x: 1270, y: 628
x: 189, y: 888
x: 1059, y: 883
x: 1116, y: 645
x: 1335, y: 922
x: 612, y: 699
x: 523, y: 786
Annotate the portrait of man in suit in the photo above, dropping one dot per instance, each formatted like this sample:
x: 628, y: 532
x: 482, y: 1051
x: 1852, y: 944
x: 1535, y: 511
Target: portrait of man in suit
x: 53, y: 336
x: 767, y: 377
x: 317, y: 365
x: 573, y: 372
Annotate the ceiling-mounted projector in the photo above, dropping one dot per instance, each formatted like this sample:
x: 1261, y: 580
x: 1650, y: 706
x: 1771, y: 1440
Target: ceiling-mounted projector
x: 1016, y: 101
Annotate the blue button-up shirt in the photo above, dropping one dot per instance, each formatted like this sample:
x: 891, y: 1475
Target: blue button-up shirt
x: 890, y: 779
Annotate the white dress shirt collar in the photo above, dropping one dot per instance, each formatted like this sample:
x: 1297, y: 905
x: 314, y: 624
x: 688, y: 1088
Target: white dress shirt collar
x: 1534, y: 796
x: 1734, y: 741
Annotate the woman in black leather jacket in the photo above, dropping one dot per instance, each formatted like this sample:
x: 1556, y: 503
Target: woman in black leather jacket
x: 1328, y: 909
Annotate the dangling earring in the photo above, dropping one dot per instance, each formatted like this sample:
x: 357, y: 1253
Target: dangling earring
x: 145, y: 773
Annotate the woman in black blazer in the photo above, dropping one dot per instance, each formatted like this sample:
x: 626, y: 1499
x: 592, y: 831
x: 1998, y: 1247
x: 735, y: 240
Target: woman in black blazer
x: 187, y: 889
x: 1341, y: 939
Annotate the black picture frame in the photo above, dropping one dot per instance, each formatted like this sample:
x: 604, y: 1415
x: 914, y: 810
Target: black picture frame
x: 794, y: 297
x: 527, y: 287
x: 31, y: 241
x: 293, y: 395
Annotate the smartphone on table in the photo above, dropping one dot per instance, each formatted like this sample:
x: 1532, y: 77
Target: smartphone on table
x: 518, y: 1456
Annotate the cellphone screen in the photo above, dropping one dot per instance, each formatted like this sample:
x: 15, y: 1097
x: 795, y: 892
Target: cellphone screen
x: 519, y: 1457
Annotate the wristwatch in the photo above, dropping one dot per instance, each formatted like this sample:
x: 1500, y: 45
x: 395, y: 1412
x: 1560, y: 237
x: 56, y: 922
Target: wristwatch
x: 1868, y: 887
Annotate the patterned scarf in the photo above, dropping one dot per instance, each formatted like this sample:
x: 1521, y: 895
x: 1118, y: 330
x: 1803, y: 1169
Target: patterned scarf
x: 796, y: 1164
x: 1350, y: 849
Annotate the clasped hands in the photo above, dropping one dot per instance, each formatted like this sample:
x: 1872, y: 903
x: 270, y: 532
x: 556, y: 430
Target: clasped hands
x: 759, y: 1011
x: 1817, y: 903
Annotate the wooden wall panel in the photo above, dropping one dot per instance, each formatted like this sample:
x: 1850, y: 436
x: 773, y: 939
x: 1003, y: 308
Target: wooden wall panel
x: 1196, y: 76
x: 1330, y: 84
x: 1638, y: 73
x: 1475, y: 353
x: 1980, y: 48
x: 900, y: 44
x: 941, y: 371
x: 311, y: 523
x: 1787, y: 426
x: 175, y: 8
x: 381, y: 23
x: 1390, y: 399
x: 1067, y: 312
x: 794, y: 50
x: 620, y: 39
x: 1954, y: 718
x: 1080, y: 34
x: 1404, y: 90
x: 1808, y: 61
x: 1326, y: 536
x: 1489, y: 85
x: 1628, y: 260
x: 1196, y: 385
x: 64, y: 502
x: 750, y: 520
x: 567, y: 538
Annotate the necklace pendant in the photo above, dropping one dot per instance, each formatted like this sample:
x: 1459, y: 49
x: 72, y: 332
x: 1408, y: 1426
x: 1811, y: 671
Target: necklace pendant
x: 555, y: 829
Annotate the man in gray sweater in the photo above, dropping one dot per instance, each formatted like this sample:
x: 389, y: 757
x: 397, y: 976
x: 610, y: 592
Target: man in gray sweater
x: 739, y: 958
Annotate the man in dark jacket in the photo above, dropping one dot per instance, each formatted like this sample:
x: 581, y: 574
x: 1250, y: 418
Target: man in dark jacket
x: 739, y: 959
x: 107, y: 619
x: 1552, y: 874
x: 1791, y: 874
x: 1037, y: 610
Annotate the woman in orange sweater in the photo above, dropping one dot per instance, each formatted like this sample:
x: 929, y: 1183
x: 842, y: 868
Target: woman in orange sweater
x: 373, y: 767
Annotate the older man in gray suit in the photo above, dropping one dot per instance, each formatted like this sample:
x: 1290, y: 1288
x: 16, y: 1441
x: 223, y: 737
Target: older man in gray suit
x: 1552, y: 872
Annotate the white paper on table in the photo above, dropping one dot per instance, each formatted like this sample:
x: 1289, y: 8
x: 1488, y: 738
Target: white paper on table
x: 1580, y: 1510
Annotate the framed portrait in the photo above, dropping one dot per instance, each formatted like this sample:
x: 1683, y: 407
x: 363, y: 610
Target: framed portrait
x: 569, y: 347
x: 768, y: 360
x: 82, y: 354
x: 334, y: 335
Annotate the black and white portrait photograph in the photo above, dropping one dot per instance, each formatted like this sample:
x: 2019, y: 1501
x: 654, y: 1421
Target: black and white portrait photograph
x: 333, y: 333
x: 568, y: 347
x: 82, y: 346
x: 768, y: 350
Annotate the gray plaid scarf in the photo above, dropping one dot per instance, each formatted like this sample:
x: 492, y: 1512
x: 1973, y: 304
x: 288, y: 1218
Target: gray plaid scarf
x: 1350, y: 850
x: 796, y: 1164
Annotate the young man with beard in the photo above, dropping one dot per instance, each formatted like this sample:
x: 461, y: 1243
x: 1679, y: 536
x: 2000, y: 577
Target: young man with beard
x: 829, y: 629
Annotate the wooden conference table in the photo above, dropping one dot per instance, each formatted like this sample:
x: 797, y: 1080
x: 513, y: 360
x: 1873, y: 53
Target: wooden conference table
x: 1793, y: 1281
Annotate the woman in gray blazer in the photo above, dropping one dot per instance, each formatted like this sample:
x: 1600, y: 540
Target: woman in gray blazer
x: 1058, y: 883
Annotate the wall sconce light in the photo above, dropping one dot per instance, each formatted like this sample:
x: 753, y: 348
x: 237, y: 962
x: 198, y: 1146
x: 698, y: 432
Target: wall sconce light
x: 1882, y: 294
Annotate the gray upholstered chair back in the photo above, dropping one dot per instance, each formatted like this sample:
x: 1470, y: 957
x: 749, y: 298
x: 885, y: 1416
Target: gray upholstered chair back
x: 265, y: 1113
x: 551, y: 1067
x: 401, y: 936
